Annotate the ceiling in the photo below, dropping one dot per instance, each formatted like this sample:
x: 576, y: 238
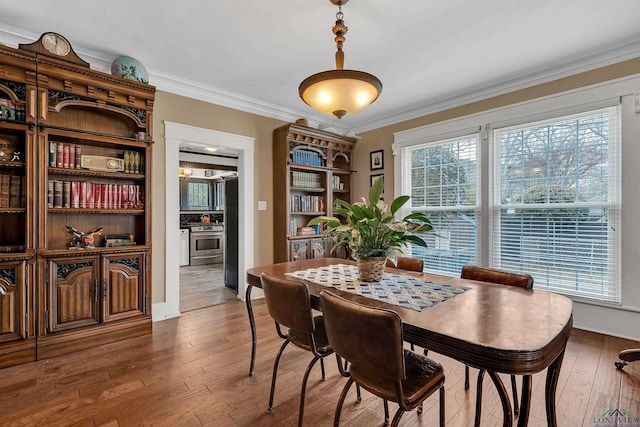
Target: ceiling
x: 252, y: 54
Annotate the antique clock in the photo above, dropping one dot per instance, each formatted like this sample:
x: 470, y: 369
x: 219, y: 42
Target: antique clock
x: 55, y: 46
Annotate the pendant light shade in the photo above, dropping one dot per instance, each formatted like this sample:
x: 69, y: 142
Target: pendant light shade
x: 340, y: 92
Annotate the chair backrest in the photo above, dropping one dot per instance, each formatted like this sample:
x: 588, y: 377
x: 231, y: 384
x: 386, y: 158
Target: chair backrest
x: 406, y: 263
x: 288, y: 302
x: 473, y: 272
x: 370, y: 339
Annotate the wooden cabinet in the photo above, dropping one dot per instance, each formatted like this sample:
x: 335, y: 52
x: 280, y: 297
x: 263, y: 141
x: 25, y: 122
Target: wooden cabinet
x: 311, y: 168
x: 75, y: 150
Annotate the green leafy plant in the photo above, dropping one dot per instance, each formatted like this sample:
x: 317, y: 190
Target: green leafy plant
x: 370, y: 228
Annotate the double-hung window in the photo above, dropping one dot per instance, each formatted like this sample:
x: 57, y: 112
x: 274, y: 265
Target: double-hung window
x: 553, y: 202
x: 442, y: 179
x: 555, y: 211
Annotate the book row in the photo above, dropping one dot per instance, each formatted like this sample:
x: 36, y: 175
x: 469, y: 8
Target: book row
x: 307, y: 157
x: 93, y: 195
x: 338, y: 183
x: 12, y: 191
x: 306, y: 179
x: 9, y: 111
x: 307, y: 203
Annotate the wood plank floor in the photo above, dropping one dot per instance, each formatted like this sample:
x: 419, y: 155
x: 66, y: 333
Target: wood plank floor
x: 192, y: 371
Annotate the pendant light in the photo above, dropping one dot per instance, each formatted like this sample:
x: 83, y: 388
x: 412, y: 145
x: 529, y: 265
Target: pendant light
x: 340, y: 92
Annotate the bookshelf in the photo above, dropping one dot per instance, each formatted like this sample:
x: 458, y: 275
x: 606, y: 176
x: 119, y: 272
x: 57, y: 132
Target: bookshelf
x: 312, y: 168
x: 75, y: 150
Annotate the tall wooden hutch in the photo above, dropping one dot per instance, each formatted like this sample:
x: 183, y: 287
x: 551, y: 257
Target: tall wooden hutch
x: 311, y: 169
x: 66, y: 133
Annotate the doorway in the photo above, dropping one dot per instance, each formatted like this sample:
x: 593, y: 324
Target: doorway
x: 176, y: 133
x: 208, y: 225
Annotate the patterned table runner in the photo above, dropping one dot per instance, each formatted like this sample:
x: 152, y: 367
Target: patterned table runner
x: 403, y: 291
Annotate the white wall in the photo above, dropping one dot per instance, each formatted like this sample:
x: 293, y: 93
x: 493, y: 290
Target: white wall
x: 622, y: 319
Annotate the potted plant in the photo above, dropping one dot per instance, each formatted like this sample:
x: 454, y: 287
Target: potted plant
x: 372, y: 232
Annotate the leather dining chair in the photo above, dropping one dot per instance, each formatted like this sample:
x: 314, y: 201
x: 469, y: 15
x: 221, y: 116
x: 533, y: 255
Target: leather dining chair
x: 501, y: 277
x: 371, y: 340
x: 289, y: 304
x: 406, y: 263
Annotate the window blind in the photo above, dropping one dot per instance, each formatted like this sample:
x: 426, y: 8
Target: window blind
x: 442, y: 178
x: 556, y: 204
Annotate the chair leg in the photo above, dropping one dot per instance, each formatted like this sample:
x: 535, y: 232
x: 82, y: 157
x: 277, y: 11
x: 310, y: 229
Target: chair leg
x: 359, y: 396
x: 324, y: 376
x: 442, y: 406
x: 273, y: 378
x: 386, y: 412
x: 466, y: 377
x: 304, y: 388
x: 476, y: 422
x: 419, y: 409
x: 514, y: 388
x: 345, y: 389
x: 397, y: 416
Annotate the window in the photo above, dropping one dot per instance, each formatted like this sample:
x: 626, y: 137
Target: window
x: 556, y: 203
x: 442, y: 178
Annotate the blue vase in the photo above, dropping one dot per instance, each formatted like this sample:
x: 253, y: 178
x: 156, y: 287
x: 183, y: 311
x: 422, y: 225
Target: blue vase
x: 129, y: 68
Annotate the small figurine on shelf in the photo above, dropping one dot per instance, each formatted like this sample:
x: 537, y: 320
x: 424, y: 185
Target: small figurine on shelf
x: 79, y: 237
x: 16, y: 156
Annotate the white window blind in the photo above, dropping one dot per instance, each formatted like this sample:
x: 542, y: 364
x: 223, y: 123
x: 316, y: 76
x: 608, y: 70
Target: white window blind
x: 556, y: 203
x: 441, y: 178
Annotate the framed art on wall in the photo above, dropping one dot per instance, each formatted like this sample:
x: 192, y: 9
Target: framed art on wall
x: 375, y: 177
x: 377, y: 160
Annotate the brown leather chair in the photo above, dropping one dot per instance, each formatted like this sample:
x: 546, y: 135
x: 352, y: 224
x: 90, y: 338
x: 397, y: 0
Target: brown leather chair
x: 370, y: 339
x: 500, y: 277
x: 406, y: 263
x: 626, y: 356
x: 289, y: 304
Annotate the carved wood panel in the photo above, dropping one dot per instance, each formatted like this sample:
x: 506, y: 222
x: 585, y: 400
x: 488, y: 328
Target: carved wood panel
x: 12, y: 309
x: 299, y: 250
x: 74, y: 293
x: 124, y: 286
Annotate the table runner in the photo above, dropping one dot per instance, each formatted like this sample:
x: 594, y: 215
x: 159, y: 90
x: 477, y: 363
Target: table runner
x: 404, y: 291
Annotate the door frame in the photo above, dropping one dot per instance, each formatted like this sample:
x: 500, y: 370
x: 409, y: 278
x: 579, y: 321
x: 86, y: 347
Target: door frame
x: 174, y: 133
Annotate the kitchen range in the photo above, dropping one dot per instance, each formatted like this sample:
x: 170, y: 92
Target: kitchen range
x: 206, y: 244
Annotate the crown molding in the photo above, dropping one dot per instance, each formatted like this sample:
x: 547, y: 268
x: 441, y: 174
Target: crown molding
x: 544, y: 75
x: 178, y: 85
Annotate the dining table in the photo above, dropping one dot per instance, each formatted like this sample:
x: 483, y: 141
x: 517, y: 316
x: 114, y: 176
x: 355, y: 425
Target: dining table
x: 500, y: 329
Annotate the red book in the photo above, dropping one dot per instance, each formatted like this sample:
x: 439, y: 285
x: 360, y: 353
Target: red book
x: 59, y: 154
x: 133, y: 196
x: 72, y: 156
x: 103, y: 196
x: 65, y: 156
x: 75, y: 194
x: 109, y: 196
x: 90, y: 198
x: 97, y: 195
x: 125, y: 196
x: 83, y: 194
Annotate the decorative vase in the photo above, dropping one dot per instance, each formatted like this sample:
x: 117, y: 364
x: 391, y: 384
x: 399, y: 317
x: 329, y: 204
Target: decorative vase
x: 129, y: 68
x: 370, y: 269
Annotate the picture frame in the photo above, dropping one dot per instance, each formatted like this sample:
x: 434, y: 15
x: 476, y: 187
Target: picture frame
x: 373, y: 179
x: 376, y: 160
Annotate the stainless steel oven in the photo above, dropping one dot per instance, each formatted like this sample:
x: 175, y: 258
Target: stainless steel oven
x: 207, y: 244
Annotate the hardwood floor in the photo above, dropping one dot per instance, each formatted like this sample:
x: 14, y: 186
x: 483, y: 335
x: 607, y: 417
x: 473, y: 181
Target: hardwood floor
x: 193, y: 371
x: 203, y: 286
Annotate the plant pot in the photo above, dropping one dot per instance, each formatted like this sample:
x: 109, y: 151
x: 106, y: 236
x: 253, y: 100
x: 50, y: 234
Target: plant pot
x: 370, y: 269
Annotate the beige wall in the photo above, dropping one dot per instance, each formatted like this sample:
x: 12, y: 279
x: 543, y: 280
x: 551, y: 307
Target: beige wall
x: 179, y: 109
x: 383, y: 138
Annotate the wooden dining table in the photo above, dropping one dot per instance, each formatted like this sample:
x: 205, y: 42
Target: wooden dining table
x: 497, y: 328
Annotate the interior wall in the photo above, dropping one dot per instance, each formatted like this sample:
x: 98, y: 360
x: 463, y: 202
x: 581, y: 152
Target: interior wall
x: 180, y: 109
